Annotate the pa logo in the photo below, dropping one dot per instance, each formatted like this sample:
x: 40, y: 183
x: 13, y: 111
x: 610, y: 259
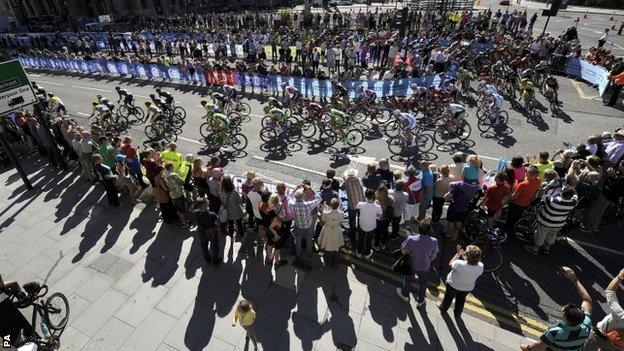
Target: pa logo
x: 6, y: 341
x: 141, y: 71
x: 124, y: 68
x: 111, y: 67
x: 155, y: 71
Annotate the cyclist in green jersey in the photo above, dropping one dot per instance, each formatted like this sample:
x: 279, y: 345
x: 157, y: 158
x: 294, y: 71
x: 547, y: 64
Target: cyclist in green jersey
x: 278, y: 115
x: 338, y: 120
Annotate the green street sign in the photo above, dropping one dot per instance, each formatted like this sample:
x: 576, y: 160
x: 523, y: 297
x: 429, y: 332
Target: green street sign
x: 15, y: 89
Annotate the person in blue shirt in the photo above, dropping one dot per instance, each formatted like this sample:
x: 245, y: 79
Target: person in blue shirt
x: 426, y: 191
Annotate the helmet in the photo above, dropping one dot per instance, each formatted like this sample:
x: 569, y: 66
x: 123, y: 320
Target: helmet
x: 99, y: 97
x: 117, y: 88
x: 203, y: 102
x: 414, y: 86
x: 499, y: 63
x: 148, y: 104
x: 152, y: 96
x: 361, y: 88
x: 158, y: 90
x: 543, y: 62
x: 50, y: 95
x: 284, y: 85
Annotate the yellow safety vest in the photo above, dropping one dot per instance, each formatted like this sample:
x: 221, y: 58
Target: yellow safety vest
x: 185, y: 168
x: 172, y: 156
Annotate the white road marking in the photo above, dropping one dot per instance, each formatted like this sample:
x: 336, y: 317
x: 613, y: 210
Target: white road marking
x: 48, y: 82
x: 83, y: 114
x: 34, y: 75
x: 90, y: 88
x: 141, y: 96
x: 289, y: 165
x: 579, y: 243
x: 190, y: 140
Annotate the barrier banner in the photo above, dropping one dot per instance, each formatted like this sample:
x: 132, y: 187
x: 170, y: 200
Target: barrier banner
x: 593, y: 74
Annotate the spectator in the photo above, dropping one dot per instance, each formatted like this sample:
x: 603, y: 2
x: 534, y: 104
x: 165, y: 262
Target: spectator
x: 274, y: 221
x: 134, y: 162
x: 107, y: 178
x: 200, y: 181
x: 494, y: 196
x: 255, y: 199
x: 466, y: 268
x: 422, y: 250
x: 304, y: 221
x: 327, y: 192
x: 353, y: 187
x: 214, y: 189
x: 614, y: 150
x: 522, y: 197
x: 368, y: 215
x: 551, y: 219
x: 161, y: 196
x: 573, y: 331
x: 372, y: 180
x: 207, y: 231
x: 460, y: 195
x: 330, y: 240
x: 86, y: 150
x: 441, y: 187
x: 232, y: 202
x: 413, y: 189
x: 107, y: 152
x: 472, y: 170
x: 176, y: 193
x: 124, y: 178
x: 456, y: 169
x: 612, y: 190
x: 426, y: 189
x: 517, y: 165
x: 399, y: 200
x: 172, y: 156
x: 288, y: 215
x: 246, y: 316
x: 387, y: 211
x: 335, y: 182
x: 613, y: 322
x: 385, y: 173
x: 246, y: 187
x: 543, y: 163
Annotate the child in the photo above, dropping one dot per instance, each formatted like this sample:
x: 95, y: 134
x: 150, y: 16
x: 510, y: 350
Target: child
x: 246, y: 316
x: 494, y: 195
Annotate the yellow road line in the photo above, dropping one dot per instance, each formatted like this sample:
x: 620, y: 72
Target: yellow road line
x: 526, y: 324
x: 580, y: 91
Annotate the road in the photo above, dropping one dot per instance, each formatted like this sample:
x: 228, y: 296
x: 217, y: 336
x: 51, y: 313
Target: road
x: 520, y: 285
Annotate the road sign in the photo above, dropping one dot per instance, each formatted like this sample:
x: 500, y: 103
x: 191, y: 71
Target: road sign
x: 15, y: 89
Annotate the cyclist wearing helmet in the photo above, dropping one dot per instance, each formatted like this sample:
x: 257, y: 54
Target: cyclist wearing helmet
x: 407, y: 123
x: 210, y: 108
x: 496, y: 104
x: 230, y: 92
x: 542, y: 67
x: 219, y: 122
x: 340, y: 92
x: 464, y: 76
x: 108, y: 103
x: 220, y: 100
x: 278, y: 116
x: 527, y: 89
x: 125, y: 95
x: 102, y: 111
x: 452, y: 88
x: 168, y: 97
x: 368, y: 96
x: 497, y: 69
x: 273, y: 102
x: 553, y: 85
x: 454, y: 113
x: 291, y: 93
x: 56, y: 104
x: 154, y: 111
x: 338, y: 120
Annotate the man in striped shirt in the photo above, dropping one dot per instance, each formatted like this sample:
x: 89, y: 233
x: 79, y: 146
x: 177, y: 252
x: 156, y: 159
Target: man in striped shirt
x: 557, y: 208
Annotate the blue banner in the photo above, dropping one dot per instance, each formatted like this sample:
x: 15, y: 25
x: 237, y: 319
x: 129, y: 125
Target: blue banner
x: 596, y: 75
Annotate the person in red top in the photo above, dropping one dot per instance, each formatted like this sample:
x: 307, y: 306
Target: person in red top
x: 133, y: 160
x: 494, y: 196
x: 521, y: 198
x: 412, y: 186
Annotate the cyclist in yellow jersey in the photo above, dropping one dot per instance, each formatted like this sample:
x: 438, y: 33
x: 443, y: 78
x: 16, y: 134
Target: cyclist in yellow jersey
x: 527, y: 89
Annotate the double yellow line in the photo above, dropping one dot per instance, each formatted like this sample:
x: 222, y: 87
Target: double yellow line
x: 529, y: 326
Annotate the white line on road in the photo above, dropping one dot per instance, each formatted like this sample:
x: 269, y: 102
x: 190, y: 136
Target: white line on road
x: 34, y: 75
x: 190, y: 140
x: 597, y: 247
x: 48, y: 82
x: 83, y: 114
x: 289, y: 165
x: 141, y: 96
x: 90, y: 88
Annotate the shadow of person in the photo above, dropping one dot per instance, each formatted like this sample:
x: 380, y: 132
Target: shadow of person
x: 161, y: 261
x: 340, y: 323
x: 144, y: 224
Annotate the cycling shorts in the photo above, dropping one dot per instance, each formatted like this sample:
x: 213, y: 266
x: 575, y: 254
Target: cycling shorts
x: 128, y: 99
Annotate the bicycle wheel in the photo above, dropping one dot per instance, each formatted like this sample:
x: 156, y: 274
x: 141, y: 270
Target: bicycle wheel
x: 56, y: 311
x: 266, y: 121
x: 525, y: 228
x: 205, y: 129
x: 442, y: 135
x: 243, y: 108
x: 170, y: 135
x: 179, y: 110
x: 235, y: 118
x: 308, y: 129
x: 425, y: 143
x: 239, y: 142
x: 268, y: 134
x: 464, y: 130
x: 396, y: 145
x: 392, y: 129
x: 355, y: 137
x: 484, y: 123
x: 151, y: 132
x: 177, y: 120
x: 491, y: 257
x: 358, y: 117
x: 123, y: 110
x: 329, y: 137
x: 383, y: 116
x: 503, y: 118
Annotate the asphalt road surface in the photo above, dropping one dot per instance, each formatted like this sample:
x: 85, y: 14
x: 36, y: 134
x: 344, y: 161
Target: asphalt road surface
x: 524, y: 283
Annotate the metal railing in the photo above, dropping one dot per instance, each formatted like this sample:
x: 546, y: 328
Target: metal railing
x: 435, y: 5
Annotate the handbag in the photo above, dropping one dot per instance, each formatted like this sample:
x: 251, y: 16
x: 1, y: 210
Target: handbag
x: 161, y: 195
x: 616, y: 337
x: 223, y: 213
x: 402, y: 265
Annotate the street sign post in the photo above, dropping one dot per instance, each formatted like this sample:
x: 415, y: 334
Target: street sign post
x: 15, y: 89
x: 15, y: 93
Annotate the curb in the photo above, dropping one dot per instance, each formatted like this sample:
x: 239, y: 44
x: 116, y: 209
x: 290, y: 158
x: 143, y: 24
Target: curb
x: 530, y: 5
x: 493, y: 314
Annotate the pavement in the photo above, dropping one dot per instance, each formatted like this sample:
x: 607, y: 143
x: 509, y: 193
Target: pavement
x: 134, y: 283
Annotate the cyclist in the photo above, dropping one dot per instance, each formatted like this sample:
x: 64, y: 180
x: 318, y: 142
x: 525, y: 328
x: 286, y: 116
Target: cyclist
x: 552, y: 85
x: 496, y: 104
x: 292, y: 96
x: 230, y: 92
x: 158, y: 102
x: 56, y: 104
x: 367, y: 96
x: 168, y: 97
x: 278, y: 116
x: 220, y: 100
x: 498, y: 69
x: 218, y: 121
x: 542, y: 68
x: 125, y: 95
x: 407, y: 123
x: 454, y: 112
x: 452, y: 88
x: 103, y: 112
x: 340, y: 92
x: 273, y: 102
x: 527, y: 89
x: 464, y: 77
x: 338, y: 120
x: 108, y: 103
x: 314, y: 110
x: 154, y: 111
